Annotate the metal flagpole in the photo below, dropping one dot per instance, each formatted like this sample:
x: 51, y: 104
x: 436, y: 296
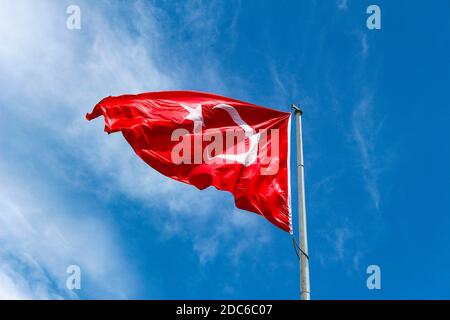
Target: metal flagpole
x: 304, y: 258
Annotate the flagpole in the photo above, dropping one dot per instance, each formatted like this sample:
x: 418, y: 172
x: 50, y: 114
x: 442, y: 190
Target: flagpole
x: 304, y: 258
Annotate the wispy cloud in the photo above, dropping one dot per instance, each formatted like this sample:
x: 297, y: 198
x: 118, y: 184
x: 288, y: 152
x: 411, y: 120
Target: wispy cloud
x: 344, y: 241
x: 342, y: 4
x: 336, y: 241
x: 365, y: 133
x: 243, y: 231
x: 364, y: 44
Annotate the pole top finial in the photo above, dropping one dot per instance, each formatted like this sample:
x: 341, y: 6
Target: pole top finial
x: 296, y: 109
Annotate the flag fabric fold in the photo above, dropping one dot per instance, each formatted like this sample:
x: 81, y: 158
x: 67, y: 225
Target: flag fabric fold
x: 206, y: 140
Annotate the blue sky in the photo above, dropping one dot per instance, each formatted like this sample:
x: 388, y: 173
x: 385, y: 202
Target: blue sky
x: 375, y: 141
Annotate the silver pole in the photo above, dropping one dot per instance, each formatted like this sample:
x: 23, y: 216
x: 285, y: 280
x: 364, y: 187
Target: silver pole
x: 304, y: 258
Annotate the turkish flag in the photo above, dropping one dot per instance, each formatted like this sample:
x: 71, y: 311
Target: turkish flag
x: 207, y: 140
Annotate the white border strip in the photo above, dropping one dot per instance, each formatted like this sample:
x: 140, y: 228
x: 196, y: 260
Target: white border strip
x: 291, y: 230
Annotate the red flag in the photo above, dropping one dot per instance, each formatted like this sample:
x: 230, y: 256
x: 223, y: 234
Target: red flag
x: 207, y: 140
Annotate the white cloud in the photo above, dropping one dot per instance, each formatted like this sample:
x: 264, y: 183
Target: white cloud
x: 52, y: 77
x: 13, y: 285
x: 41, y: 237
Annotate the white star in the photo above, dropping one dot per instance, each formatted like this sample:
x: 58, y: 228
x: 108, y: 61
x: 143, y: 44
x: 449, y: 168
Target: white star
x: 195, y: 114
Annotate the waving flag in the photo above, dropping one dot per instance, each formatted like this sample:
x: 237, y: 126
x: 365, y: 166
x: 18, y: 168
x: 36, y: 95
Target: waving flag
x: 207, y: 140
